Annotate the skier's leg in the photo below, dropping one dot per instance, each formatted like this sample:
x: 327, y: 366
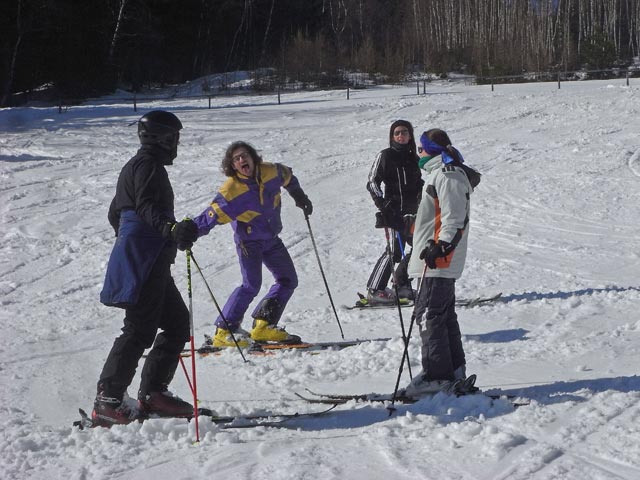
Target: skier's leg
x: 455, y: 339
x: 162, y: 361
x: 381, y: 273
x: 138, y: 333
x: 250, y: 256
x: 278, y: 261
x: 400, y: 257
x: 401, y: 274
x: 436, y: 352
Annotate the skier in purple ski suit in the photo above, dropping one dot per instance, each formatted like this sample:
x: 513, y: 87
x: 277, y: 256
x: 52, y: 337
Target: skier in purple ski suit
x: 250, y: 200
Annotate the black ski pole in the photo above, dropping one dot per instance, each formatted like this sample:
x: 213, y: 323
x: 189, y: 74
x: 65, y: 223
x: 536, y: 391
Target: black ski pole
x: 218, y: 307
x: 193, y: 384
x: 395, y: 287
x: 315, y: 249
x: 405, y: 353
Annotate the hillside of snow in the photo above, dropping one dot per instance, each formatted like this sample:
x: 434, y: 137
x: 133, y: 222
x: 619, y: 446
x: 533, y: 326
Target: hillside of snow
x: 555, y: 227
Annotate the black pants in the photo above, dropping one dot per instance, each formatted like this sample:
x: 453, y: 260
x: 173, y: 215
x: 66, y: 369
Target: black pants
x: 160, y: 306
x: 435, y: 311
x: 381, y: 273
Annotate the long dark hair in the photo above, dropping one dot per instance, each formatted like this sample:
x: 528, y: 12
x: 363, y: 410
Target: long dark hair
x: 403, y: 123
x: 227, y: 161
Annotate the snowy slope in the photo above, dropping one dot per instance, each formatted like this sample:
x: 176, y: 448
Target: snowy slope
x: 554, y: 227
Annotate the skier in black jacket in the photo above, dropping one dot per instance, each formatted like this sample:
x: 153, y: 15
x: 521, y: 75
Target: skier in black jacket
x: 397, y: 169
x: 139, y: 280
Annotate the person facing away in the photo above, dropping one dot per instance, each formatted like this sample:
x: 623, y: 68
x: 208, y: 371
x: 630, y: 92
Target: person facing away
x: 440, y: 237
x: 395, y: 184
x: 250, y: 199
x: 138, y: 279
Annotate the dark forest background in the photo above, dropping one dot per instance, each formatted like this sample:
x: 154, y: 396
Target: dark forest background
x: 78, y: 48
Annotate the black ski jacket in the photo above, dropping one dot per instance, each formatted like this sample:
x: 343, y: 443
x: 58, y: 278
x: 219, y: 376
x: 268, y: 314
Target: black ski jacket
x: 144, y: 187
x: 399, y: 172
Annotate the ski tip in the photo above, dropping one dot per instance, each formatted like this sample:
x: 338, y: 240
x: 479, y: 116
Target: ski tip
x: 84, y: 422
x: 207, y: 412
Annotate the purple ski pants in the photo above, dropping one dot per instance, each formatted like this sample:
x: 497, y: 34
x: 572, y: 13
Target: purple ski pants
x: 253, y: 254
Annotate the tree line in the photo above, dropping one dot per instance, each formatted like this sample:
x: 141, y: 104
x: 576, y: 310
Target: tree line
x: 78, y: 48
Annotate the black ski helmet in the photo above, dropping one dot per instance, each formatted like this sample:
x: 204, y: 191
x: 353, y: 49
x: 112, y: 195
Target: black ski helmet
x: 160, y: 128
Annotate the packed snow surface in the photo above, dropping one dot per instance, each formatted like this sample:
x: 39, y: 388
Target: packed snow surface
x: 555, y: 227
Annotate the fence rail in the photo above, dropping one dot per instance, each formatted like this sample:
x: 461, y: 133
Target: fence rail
x: 561, y: 76
x: 271, y: 84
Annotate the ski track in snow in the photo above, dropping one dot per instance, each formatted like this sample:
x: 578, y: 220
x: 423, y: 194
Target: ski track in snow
x: 554, y: 227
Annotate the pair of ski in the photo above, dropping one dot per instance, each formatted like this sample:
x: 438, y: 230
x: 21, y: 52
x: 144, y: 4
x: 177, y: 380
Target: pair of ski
x: 281, y: 419
x: 466, y: 386
x: 363, y: 302
x: 227, y: 422
x: 272, y: 347
x: 339, y: 399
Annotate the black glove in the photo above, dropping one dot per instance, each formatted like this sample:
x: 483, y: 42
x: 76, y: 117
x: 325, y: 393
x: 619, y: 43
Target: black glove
x: 184, y: 233
x: 434, y: 250
x: 389, y: 217
x: 302, y: 201
x: 305, y: 204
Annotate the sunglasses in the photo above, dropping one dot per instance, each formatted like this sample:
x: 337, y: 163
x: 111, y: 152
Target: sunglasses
x: 399, y: 133
x: 240, y: 156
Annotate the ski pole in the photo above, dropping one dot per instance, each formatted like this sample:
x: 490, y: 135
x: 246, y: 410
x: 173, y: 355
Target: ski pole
x: 395, y: 287
x: 215, y: 302
x: 186, y: 374
x: 405, y: 353
x: 193, y: 348
x: 315, y: 249
x: 399, y: 238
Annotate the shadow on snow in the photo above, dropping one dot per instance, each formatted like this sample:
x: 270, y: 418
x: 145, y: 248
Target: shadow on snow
x: 532, y: 296
x: 445, y: 409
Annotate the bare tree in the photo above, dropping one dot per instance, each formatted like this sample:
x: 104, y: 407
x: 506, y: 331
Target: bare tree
x: 14, y: 55
x: 266, y: 31
x: 338, y: 17
x: 243, y: 25
x: 116, y: 30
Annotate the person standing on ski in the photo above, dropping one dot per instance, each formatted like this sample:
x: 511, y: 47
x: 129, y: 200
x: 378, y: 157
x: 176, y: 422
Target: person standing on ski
x: 250, y: 199
x: 139, y: 280
x: 441, y: 233
x: 394, y: 183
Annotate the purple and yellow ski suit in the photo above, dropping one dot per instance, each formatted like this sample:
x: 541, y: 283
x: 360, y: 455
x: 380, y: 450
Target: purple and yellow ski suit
x: 252, y: 206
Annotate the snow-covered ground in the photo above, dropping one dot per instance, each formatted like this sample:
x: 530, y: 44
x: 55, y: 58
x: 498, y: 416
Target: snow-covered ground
x: 555, y: 227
